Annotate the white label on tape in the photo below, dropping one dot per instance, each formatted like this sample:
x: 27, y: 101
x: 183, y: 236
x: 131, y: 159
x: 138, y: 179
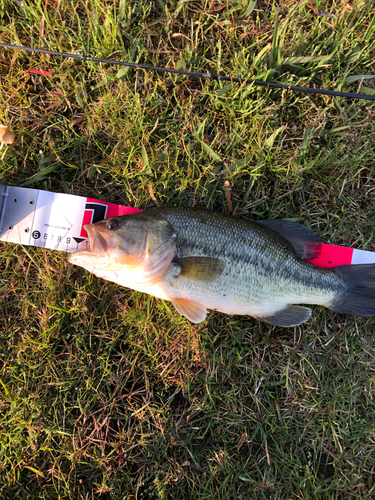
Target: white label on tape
x: 363, y: 257
x: 51, y: 220
x: 41, y: 218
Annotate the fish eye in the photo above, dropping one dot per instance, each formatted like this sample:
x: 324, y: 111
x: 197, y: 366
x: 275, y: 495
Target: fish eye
x: 112, y: 224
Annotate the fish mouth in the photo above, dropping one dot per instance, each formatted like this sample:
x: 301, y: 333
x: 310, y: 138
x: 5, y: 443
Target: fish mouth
x: 98, y: 244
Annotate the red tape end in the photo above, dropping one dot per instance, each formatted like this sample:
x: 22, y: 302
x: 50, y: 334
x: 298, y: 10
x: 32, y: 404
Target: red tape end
x: 39, y: 72
x: 332, y: 256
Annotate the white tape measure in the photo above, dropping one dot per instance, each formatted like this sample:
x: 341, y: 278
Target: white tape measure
x: 50, y: 220
x: 55, y: 221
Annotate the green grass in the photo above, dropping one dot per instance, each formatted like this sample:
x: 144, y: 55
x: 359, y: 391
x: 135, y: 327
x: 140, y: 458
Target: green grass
x: 108, y: 393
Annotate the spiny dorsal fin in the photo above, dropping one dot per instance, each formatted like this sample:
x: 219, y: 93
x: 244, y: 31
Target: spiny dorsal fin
x: 289, y: 316
x: 193, y: 311
x: 305, y: 242
x: 204, y: 269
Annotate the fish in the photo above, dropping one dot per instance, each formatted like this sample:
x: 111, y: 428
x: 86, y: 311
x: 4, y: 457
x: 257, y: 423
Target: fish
x: 202, y: 260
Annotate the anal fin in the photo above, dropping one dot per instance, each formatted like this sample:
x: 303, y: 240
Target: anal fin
x: 289, y: 316
x: 193, y: 311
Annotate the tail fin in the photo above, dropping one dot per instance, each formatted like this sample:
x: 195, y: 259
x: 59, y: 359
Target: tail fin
x: 358, y: 296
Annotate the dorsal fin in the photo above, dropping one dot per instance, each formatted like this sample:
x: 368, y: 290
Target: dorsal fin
x: 305, y: 242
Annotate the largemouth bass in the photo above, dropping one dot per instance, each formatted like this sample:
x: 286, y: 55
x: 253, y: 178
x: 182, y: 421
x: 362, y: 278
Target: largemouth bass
x: 199, y: 260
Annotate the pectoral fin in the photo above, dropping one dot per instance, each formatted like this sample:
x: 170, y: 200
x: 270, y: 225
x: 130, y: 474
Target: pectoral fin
x: 193, y: 311
x: 289, y: 316
x: 203, y: 269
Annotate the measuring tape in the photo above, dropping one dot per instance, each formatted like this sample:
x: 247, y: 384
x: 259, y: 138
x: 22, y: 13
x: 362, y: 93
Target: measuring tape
x: 51, y: 220
x: 56, y: 221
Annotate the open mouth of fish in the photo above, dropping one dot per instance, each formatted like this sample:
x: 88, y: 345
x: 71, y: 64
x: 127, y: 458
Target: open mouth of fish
x: 97, y: 243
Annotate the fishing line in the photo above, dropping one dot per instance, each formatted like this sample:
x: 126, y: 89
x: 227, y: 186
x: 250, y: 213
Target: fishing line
x: 194, y: 74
